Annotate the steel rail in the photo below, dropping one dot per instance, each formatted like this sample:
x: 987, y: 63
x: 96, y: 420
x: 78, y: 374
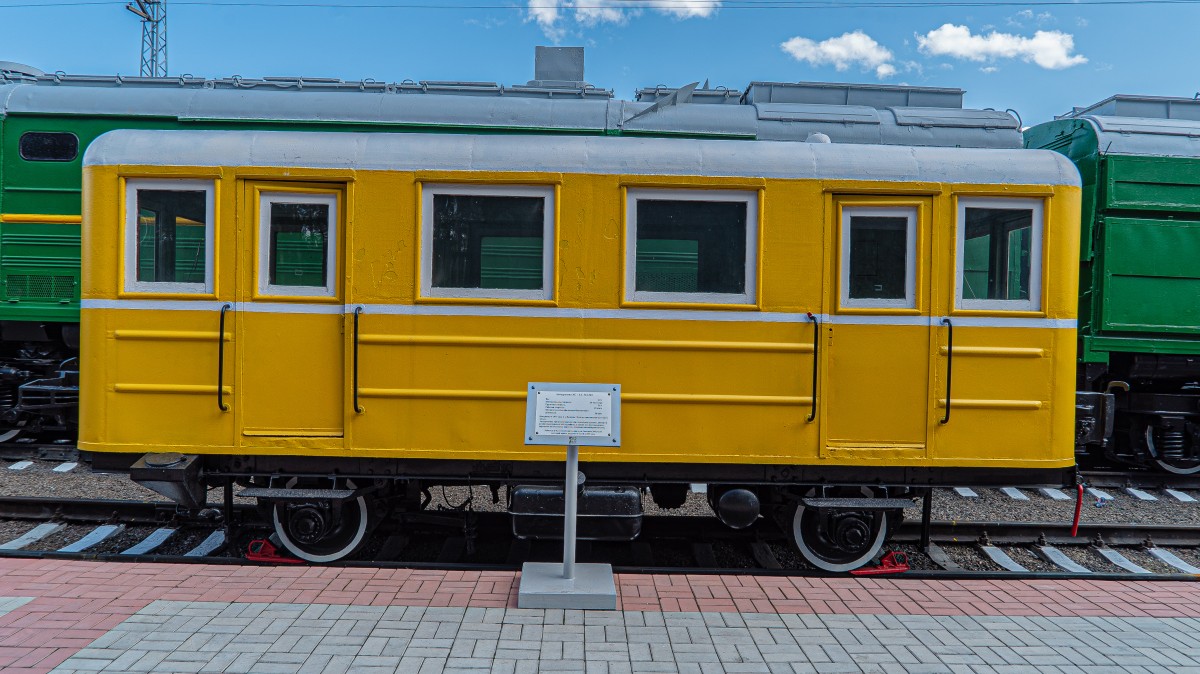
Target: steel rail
x: 434, y: 525
x: 1138, y: 479
x: 94, y: 510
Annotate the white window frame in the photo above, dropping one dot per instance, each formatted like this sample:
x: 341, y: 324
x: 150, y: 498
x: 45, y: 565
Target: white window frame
x: 265, y: 287
x: 1037, y: 214
x: 910, y: 214
x: 132, y: 284
x: 544, y: 192
x: 749, y: 198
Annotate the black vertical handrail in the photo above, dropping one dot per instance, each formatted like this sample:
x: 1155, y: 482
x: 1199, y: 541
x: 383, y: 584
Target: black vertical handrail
x: 812, y: 414
x: 949, y: 364
x: 221, y: 359
x: 357, y: 408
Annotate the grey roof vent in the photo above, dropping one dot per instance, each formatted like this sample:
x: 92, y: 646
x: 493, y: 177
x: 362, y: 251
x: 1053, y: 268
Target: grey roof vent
x: 558, y: 67
x: 18, y: 69
x: 1150, y: 107
x: 867, y: 95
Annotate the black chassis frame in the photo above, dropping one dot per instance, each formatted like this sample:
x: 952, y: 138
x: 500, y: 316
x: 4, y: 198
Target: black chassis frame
x: 219, y: 468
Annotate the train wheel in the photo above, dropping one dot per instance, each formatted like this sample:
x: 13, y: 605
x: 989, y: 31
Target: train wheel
x: 1179, y: 466
x: 1180, y: 460
x: 322, y: 531
x: 839, y: 540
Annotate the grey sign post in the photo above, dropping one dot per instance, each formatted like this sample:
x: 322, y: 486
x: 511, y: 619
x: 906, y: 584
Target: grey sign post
x: 573, y: 415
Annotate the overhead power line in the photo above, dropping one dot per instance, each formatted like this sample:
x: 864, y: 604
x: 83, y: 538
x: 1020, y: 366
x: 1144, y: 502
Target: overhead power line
x: 633, y: 4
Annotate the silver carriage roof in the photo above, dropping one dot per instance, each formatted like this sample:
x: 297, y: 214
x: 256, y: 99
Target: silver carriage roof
x: 558, y: 99
x: 1144, y: 125
x: 578, y: 154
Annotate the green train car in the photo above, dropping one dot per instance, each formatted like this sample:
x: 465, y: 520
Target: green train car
x: 1139, y: 295
x: 47, y: 122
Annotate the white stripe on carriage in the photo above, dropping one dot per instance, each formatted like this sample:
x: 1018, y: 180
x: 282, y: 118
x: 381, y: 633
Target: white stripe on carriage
x: 555, y: 312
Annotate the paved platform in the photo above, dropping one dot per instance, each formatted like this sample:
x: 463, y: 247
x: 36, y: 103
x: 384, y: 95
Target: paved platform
x: 73, y: 616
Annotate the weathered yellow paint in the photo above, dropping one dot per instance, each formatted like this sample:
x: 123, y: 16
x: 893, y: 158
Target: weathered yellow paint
x: 453, y: 387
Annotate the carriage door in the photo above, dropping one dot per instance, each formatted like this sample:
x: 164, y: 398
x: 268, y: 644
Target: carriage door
x: 877, y: 340
x: 291, y: 314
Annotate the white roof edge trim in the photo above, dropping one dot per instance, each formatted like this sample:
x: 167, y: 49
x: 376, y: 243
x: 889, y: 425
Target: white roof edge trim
x: 578, y: 154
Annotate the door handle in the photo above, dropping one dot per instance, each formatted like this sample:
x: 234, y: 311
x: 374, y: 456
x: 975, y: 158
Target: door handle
x: 812, y: 414
x: 949, y: 364
x: 221, y: 359
x: 357, y: 408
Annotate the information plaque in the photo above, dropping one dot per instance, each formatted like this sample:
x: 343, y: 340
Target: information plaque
x: 586, y: 415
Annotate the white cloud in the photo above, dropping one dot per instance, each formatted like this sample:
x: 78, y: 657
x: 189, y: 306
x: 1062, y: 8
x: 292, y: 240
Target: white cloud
x: 842, y: 52
x: 686, y: 9
x: 1050, y: 49
x: 1026, y: 15
x: 545, y: 13
x: 988, y: 70
x: 551, y: 15
x: 592, y: 12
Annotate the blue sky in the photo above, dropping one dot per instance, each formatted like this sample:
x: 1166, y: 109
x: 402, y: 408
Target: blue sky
x: 1036, y: 59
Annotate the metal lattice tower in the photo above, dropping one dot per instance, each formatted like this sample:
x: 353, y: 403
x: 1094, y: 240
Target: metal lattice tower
x: 154, y: 35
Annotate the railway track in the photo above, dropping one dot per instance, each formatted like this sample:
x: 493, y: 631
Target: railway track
x: 684, y: 544
x: 1138, y: 479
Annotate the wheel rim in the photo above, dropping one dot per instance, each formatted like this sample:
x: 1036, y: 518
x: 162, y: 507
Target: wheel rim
x: 307, y: 533
x: 1181, y: 468
x: 845, y: 540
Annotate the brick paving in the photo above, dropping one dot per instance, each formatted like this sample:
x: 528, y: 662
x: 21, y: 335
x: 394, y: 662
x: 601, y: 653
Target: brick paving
x: 67, y: 616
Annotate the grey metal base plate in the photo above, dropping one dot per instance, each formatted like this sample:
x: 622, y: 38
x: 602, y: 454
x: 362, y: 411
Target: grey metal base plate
x: 542, y: 586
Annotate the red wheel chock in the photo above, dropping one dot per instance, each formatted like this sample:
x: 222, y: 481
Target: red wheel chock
x: 261, y: 550
x: 893, y: 562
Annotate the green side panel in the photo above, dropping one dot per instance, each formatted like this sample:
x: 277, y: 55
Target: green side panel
x: 1076, y: 139
x: 510, y: 262
x: 39, y: 272
x: 51, y: 187
x: 1152, y: 183
x: 189, y: 254
x: 975, y: 267
x: 1097, y: 349
x: 1152, y: 276
x: 299, y: 259
x: 668, y: 265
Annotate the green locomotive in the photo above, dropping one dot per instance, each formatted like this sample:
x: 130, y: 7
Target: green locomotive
x: 1139, y: 295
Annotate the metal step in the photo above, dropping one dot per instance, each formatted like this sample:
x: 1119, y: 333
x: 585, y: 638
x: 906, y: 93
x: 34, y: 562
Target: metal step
x: 859, y: 503
x: 273, y: 494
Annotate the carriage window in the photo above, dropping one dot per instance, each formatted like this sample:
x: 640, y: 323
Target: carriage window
x: 691, y: 246
x: 47, y: 146
x: 488, y: 241
x: 297, y: 244
x: 878, y: 257
x: 999, y: 253
x: 169, y: 236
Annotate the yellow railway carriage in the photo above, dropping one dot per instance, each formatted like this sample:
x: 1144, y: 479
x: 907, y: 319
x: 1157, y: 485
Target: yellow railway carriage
x: 808, y: 328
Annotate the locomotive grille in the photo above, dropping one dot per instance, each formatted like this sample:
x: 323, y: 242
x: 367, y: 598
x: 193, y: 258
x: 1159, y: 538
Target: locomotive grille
x: 40, y: 286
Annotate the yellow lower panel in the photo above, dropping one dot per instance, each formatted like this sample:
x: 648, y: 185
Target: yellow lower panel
x: 730, y: 392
